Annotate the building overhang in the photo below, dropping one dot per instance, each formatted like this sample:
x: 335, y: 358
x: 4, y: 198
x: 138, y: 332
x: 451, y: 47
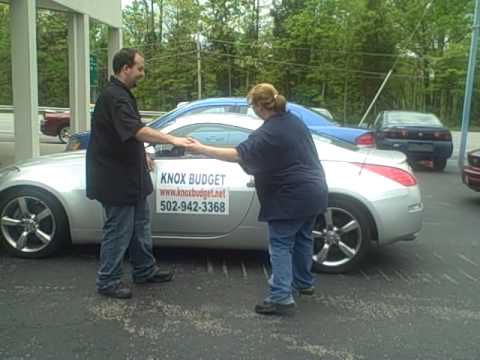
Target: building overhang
x: 106, y: 12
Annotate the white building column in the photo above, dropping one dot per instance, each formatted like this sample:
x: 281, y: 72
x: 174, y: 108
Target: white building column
x: 25, y: 79
x: 79, y: 71
x: 114, y: 44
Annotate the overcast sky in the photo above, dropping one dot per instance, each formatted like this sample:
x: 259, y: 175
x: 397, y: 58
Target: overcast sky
x: 126, y: 2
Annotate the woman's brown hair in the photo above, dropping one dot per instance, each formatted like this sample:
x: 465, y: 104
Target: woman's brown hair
x: 266, y: 96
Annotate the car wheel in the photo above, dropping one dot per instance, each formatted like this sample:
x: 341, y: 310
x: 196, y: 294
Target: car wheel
x: 439, y: 164
x: 64, y: 134
x: 33, y: 223
x: 341, y: 237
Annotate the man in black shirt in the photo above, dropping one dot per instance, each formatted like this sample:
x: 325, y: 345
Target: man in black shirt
x: 117, y: 175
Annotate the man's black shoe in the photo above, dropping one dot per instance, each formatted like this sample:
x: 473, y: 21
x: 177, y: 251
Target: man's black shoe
x: 158, y: 277
x: 271, y: 308
x: 117, y: 291
x: 305, y: 291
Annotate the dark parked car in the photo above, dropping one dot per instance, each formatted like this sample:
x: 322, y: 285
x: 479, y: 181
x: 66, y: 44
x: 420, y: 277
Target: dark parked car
x: 471, y: 172
x: 420, y: 136
x: 56, y: 124
x: 313, y: 119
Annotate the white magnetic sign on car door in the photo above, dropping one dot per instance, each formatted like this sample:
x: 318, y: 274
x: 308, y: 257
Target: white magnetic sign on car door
x: 191, y: 192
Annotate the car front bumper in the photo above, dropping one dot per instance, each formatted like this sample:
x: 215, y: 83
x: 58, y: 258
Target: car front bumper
x: 471, y: 177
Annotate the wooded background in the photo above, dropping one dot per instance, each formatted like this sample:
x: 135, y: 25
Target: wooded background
x: 325, y: 53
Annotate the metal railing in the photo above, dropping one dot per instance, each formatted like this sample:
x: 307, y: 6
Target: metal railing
x: 41, y: 109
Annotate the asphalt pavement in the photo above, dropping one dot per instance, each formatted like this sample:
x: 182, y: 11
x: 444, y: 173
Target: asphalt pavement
x: 410, y: 300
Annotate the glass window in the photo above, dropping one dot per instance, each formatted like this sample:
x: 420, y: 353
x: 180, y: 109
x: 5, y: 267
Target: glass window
x: 323, y: 112
x: 250, y: 112
x: 214, y: 134
x: 378, y: 122
x: 407, y: 118
x: 221, y: 109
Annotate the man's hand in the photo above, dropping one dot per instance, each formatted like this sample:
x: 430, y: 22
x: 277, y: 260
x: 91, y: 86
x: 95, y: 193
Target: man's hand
x: 150, y: 162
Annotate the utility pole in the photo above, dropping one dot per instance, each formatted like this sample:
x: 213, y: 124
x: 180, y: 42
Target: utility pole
x: 199, y: 67
x: 467, y: 104
x: 377, y: 95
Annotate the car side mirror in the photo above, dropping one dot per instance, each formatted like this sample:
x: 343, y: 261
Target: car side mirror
x: 169, y: 150
x: 149, y: 149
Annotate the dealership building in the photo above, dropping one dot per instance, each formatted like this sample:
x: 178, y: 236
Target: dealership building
x: 24, y: 62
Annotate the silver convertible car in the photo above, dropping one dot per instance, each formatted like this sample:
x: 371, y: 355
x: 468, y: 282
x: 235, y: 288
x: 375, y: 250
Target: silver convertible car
x: 198, y: 201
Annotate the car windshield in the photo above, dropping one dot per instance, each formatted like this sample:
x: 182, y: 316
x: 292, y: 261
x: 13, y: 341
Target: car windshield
x: 322, y: 111
x: 412, y: 119
x: 318, y: 136
x: 160, y: 119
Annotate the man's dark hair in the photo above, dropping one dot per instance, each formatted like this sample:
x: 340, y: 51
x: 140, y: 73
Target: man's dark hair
x: 124, y: 57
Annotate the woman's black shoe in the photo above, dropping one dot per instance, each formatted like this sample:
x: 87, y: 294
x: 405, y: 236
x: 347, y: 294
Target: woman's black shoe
x: 117, y: 291
x: 271, y: 308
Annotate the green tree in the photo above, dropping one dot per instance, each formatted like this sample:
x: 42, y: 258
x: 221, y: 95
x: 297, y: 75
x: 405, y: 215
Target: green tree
x: 5, y: 57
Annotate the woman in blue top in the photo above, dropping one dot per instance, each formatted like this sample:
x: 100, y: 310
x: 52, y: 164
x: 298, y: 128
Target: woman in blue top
x: 291, y: 189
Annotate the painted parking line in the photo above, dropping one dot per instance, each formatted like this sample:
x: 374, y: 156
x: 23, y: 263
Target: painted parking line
x: 209, y: 266
x: 265, y: 272
x: 464, y: 258
x: 364, y: 274
x: 468, y: 276
x: 451, y: 279
x: 225, y: 268
x: 402, y: 276
x: 439, y: 257
x: 385, y: 276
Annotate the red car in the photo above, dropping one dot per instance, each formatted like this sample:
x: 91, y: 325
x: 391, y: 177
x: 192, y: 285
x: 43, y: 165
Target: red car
x: 471, y: 172
x: 56, y: 124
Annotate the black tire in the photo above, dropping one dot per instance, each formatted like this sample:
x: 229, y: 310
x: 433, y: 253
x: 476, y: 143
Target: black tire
x: 33, y: 223
x: 439, y: 164
x: 334, y: 234
x: 64, y: 134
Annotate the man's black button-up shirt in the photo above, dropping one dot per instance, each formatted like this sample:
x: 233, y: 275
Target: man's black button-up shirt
x: 116, y: 168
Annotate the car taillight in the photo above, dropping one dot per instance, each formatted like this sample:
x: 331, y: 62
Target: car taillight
x: 399, y: 175
x: 367, y: 139
x: 395, y: 133
x: 442, y: 135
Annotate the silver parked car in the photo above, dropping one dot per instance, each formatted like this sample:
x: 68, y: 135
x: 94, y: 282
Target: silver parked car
x: 202, y: 202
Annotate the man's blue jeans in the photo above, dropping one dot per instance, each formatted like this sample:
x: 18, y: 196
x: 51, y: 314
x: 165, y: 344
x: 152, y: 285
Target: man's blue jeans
x: 126, y: 227
x: 291, y: 250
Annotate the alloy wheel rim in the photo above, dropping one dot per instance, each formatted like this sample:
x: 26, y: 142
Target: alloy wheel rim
x: 338, y: 240
x: 65, y: 133
x: 27, y: 224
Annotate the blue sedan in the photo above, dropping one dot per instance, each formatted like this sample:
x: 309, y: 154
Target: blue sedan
x: 420, y: 136
x: 314, y: 120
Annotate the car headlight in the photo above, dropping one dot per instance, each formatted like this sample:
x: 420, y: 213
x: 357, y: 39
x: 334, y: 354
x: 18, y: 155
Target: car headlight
x: 7, y: 170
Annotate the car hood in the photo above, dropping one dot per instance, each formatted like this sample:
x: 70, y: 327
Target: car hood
x: 60, y: 158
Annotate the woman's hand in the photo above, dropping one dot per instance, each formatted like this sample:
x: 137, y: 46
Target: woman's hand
x: 195, y: 146
x: 180, y: 141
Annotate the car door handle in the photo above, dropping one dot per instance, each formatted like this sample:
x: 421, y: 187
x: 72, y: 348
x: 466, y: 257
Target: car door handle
x: 214, y: 139
x: 251, y: 183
